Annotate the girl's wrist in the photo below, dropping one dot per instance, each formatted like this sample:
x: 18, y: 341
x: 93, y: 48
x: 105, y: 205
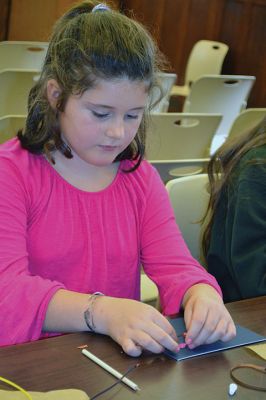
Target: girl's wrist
x: 192, y: 291
x: 89, y: 313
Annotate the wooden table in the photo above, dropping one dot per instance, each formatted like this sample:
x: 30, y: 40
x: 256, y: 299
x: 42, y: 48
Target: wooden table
x: 57, y: 363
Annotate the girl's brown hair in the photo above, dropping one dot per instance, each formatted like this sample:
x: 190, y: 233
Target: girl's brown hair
x: 221, y: 172
x: 86, y: 46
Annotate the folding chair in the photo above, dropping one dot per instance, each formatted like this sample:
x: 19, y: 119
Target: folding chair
x: 178, y: 143
x: 166, y: 81
x: 206, y: 58
x: 245, y: 121
x: 22, y: 55
x: 189, y: 197
x: 224, y: 94
x: 15, y: 86
x: 10, y: 125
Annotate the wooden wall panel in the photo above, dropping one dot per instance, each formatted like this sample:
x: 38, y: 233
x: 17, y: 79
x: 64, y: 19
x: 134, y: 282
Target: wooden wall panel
x: 4, y: 18
x: 148, y: 13
x: 245, y: 31
x: 173, y: 39
x: 34, y: 19
x: 202, y: 21
x: 239, y: 23
x: 178, y: 25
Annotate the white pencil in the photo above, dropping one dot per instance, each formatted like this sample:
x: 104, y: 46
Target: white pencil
x: 109, y: 369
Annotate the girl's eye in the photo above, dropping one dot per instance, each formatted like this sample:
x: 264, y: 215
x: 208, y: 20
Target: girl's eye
x: 100, y: 115
x: 129, y: 116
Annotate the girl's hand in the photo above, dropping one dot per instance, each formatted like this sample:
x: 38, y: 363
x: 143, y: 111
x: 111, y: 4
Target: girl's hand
x: 206, y: 317
x: 134, y: 325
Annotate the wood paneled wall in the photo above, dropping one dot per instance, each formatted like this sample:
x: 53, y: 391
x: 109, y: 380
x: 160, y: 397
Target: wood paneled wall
x: 33, y: 19
x: 176, y: 24
x: 5, y: 6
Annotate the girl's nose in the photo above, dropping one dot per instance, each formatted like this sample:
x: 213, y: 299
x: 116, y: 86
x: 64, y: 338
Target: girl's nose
x: 116, y: 130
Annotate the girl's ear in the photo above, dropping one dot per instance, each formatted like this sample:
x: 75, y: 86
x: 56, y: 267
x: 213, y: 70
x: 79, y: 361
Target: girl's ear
x: 53, y: 92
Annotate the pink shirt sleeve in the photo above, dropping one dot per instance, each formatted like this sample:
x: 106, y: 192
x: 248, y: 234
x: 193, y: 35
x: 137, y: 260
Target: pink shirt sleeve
x: 24, y: 297
x: 165, y: 256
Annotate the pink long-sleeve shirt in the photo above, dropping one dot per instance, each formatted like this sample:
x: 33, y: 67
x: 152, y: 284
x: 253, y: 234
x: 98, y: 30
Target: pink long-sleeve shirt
x: 53, y: 236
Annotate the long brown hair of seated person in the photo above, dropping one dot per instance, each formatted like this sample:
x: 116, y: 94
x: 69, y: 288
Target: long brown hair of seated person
x: 220, y: 168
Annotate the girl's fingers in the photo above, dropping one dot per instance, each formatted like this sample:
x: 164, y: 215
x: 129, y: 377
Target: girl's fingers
x: 202, y: 337
x: 188, y: 315
x: 212, y: 327
x: 225, y: 330
x: 219, y: 332
x: 145, y: 341
x: 161, y: 337
x: 160, y: 321
x: 231, y: 332
x: 197, y: 322
x: 131, y: 348
x: 150, y: 337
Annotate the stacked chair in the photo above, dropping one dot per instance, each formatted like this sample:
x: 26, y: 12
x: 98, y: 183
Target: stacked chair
x: 15, y: 86
x: 206, y: 57
x: 10, y: 125
x: 225, y: 94
x: 148, y: 289
x: 22, y: 55
x: 20, y: 66
x: 166, y: 81
x: 245, y: 121
x: 178, y: 144
x: 189, y: 197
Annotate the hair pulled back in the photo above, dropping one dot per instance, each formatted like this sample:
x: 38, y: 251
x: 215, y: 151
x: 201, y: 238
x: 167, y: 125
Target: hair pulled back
x: 86, y: 46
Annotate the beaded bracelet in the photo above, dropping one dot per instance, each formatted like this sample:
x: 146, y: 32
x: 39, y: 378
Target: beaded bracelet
x: 88, y: 313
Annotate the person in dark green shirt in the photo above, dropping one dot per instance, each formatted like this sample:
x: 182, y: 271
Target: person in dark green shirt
x: 234, y: 238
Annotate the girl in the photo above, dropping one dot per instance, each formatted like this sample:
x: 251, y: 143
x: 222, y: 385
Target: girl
x: 81, y: 210
x: 234, y: 239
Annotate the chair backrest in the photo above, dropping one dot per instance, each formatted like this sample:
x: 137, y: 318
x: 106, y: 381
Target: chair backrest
x: 189, y: 198
x: 15, y: 86
x: 206, y: 57
x: 180, y: 136
x: 167, y: 81
x: 170, y: 169
x: 246, y: 120
x: 9, y: 126
x: 22, y: 55
x: 179, y: 143
x: 148, y: 289
x: 225, y: 94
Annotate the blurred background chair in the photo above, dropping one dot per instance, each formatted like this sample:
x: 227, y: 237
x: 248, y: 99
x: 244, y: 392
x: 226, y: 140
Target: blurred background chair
x: 9, y: 126
x: 167, y: 81
x: 246, y: 120
x: 15, y: 86
x: 225, y: 94
x: 22, y: 55
x: 189, y: 197
x: 206, y: 57
x: 171, y: 169
x: 148, y: 290
x: 178, y: 144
